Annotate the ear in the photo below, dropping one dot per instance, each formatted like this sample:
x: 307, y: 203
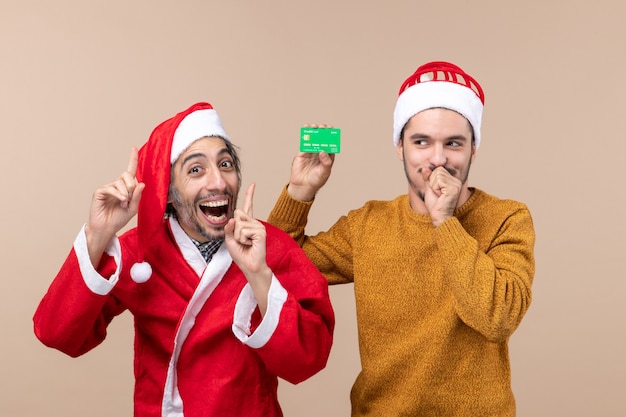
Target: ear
x: 169, y: 199
x: 473, y: 155
x: 400, y: 150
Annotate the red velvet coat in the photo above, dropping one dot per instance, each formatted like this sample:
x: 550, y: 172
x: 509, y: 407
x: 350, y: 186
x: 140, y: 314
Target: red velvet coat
x: 201, y: 348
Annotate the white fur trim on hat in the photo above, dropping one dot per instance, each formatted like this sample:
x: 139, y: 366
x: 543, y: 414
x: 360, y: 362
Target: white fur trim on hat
x: 431, y: 94
x: 194, y: 126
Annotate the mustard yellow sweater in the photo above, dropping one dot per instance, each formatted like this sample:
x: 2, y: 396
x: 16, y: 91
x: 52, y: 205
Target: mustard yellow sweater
x: 435, y: 306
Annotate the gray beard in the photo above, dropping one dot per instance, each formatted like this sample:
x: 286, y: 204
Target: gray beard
x: 183, y: 213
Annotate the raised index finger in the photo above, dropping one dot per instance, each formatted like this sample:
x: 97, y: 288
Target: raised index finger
x: 132, y: 164
x: 247, y: 202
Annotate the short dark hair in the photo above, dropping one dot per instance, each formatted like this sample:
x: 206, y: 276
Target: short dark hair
x: 470, y: 125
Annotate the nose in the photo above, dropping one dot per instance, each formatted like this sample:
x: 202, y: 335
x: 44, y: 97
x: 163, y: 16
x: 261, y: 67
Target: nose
x: 215, y: 179
x: 438, y: 157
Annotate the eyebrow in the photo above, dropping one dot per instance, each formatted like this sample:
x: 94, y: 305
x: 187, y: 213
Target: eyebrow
x: 203, y: 156
x: 449, y: 138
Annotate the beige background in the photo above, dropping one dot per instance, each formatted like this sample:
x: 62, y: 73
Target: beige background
x: 83, y: 81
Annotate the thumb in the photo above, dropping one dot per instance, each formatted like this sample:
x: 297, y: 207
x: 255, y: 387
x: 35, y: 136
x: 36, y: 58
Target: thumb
x: 229, y: 229
x: 326, y: 159
x: 136, y: 197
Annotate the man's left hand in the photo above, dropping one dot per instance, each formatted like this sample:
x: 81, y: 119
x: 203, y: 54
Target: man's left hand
x: 245, y: 239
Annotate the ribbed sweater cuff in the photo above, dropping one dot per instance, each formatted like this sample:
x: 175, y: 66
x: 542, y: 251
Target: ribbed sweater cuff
x: 453, y: 236
x: 290, y: 210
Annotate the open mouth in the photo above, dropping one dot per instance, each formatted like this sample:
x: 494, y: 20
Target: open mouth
x: 215, y: 211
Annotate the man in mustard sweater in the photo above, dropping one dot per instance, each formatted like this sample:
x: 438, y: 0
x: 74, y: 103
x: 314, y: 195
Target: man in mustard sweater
x: 442, y: 275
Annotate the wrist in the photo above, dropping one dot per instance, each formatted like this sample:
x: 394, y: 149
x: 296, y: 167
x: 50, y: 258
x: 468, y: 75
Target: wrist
x: 439, y: 221
x: 301, y: 193
x: 97, y: 241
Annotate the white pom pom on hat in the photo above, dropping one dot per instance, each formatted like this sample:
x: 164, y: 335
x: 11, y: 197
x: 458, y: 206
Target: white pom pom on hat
x: 141, y: 272
x: 167, y: 141
x: 439, y: 84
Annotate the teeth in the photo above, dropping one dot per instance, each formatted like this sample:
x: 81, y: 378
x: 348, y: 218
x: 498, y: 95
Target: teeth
x: 217, y: 218
x: 215, y: 203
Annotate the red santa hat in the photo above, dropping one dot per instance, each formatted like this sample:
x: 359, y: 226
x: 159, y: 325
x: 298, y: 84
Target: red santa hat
x: 439, y: 84
x: 167, y: 141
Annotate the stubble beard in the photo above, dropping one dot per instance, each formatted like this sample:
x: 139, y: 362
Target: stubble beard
x: 452, y: 172
x: 185, y: 212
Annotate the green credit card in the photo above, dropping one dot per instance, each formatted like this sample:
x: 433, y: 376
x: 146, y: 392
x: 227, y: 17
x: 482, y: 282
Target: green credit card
x: 317, y: 139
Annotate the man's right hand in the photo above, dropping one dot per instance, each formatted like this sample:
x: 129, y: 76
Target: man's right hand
x: 112, y: 207
x: 309, y: 172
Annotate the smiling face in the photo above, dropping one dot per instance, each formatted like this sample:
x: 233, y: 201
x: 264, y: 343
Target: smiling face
x: 205, y: 181
x: 436, y: 138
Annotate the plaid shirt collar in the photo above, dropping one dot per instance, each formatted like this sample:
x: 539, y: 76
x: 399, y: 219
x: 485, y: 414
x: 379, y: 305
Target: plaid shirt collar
x: 208, y: 249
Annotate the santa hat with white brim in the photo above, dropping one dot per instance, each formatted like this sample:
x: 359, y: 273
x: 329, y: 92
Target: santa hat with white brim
x: 439, y: 84
x: 167, y: 142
